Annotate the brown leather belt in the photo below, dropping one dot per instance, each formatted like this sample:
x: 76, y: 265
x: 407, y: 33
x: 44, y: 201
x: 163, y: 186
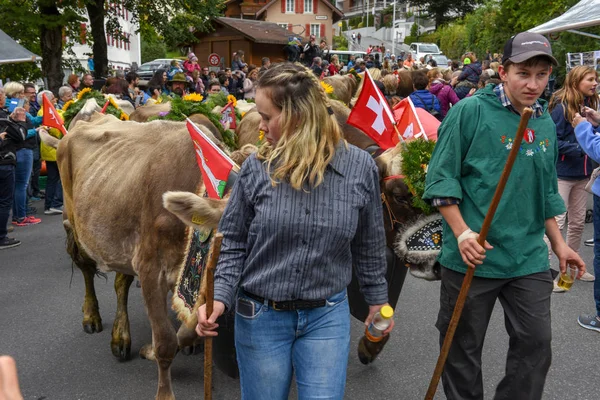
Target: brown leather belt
x: 288, y: 305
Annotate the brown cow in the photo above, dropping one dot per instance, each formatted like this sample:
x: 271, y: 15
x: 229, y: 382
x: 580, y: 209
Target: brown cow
x: 114, y: 174
x: 344, y: 86
x: 142, y: 114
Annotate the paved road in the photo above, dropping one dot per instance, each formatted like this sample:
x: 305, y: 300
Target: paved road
x: 40, y: 325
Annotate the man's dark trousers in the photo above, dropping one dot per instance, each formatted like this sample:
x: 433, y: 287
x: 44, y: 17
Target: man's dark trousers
x: 526, y: 304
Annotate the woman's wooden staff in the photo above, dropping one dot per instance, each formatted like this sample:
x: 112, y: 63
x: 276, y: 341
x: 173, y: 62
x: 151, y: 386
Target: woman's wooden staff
x: 462, y: 295
x: 215, y: 250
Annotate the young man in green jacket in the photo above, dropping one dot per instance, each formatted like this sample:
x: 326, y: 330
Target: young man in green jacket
x: 473, y: 144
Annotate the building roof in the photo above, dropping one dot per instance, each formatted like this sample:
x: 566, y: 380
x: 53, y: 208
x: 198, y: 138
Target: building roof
x: 336, y: 16
x: 257, y: 31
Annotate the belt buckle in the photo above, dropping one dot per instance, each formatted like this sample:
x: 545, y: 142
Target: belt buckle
x: 275, y: 307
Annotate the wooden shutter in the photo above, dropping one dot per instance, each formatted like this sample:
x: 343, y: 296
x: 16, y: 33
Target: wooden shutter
x: 82, y: 33
x: 290, y: 28
x: 322, y: 31
x: 301, y: 6
x: 283, y: 6
x: 315, y: 6
x: 307, y: 33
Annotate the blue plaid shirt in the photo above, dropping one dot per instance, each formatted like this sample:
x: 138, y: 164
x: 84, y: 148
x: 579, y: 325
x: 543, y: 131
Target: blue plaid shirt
x: 538, y: 111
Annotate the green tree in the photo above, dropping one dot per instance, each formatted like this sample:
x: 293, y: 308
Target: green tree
x: 51, y: 23
x: 54, y: 20
x: 153, y: 46
x: 443, y: 10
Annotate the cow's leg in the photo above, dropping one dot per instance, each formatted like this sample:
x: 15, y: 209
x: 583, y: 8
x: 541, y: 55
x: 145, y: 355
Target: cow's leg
x: 91, y: 312
x: 120, y: 343
x: 92, y: 322
x: 164, y: 338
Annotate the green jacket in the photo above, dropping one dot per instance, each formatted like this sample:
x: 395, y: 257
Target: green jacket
x: 473, y: 144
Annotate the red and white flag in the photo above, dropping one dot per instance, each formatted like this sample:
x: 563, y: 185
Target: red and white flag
x: 228, y: 116
x: 414, y: 122
x: 213, y: 162
x: 372, y: 115
x: 51, y: 117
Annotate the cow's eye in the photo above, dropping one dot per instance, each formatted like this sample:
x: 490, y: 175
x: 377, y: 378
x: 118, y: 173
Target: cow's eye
x: 401, y: 200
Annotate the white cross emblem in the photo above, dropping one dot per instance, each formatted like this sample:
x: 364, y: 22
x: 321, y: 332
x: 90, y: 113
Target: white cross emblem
x: 377, y: 108
x: 408, y: 132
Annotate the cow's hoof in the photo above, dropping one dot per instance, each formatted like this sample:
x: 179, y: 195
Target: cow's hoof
x: 92, y: 326
x: 121, y: 350
x: 147, y: 352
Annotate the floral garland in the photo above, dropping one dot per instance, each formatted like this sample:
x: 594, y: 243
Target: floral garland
x: 72, y: 108
x: 415, y: 161
x: 181, y: 108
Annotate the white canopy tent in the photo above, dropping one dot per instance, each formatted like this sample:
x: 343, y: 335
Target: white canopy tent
x: 12, y: 52
x: 584, y: 14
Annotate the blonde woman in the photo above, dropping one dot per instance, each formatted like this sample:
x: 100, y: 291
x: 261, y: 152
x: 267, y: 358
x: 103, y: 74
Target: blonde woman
x: 250, y: 83
x: 334, y: 65
x: 305, y: 209
x: 573, y: 167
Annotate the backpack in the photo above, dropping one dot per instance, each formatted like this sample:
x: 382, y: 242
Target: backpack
x: 431, y: 110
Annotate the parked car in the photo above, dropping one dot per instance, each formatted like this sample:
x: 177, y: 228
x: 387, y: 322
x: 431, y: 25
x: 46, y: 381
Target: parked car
x: 440, y: 59
x: 147, y: 70
x: 421, y: 49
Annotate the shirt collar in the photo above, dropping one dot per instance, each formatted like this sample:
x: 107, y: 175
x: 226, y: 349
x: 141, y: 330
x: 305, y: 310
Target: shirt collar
x: 537, y: 107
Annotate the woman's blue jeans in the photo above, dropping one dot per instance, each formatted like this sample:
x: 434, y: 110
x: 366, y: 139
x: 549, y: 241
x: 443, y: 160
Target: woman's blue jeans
x: 22, y: 175
x: 313, y: 344
x: 597, y: 253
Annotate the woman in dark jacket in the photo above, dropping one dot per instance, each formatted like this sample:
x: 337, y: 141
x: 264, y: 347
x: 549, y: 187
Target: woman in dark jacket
x: 573, y: 167
x: 469, y: 77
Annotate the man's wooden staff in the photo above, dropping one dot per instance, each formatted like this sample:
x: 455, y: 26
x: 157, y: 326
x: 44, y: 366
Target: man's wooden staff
x: 215, y: 250
x: 462, y: 295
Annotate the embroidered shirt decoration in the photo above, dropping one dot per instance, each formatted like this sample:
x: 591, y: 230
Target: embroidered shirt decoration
x: 542, y: 145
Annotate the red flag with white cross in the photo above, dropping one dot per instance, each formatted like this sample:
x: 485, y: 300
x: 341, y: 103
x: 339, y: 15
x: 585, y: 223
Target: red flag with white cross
x: 372, y: 115
x: 214, y: 164
x: 414, y: 122
x: 51, y: 118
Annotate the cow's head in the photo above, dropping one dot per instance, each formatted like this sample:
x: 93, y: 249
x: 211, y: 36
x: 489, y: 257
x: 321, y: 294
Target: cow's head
x: 401, y: 217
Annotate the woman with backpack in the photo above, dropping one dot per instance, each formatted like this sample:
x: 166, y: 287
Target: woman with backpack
x: 442, y: 90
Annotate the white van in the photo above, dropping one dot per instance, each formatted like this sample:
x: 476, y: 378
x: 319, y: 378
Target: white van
x: 344, y: 56
x: 420, y: 49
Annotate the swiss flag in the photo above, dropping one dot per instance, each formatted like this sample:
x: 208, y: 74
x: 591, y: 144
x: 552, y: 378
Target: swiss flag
x: 51, y: 117
x: 213, y: 162
x: 412, y: 123
x: 228, y: 115
x: 372, y: 115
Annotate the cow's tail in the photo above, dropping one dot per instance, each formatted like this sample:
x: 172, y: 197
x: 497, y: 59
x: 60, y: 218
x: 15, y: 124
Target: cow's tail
x: 48, y: 139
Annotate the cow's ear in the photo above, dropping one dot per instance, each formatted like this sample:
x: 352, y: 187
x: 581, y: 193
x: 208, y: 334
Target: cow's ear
x: 195, y: 211
x: 382, y: 167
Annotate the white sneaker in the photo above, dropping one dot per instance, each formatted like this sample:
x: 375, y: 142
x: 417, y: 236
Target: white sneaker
x: 587, y: 277
x: 52, y: 211
x: 558, y: 289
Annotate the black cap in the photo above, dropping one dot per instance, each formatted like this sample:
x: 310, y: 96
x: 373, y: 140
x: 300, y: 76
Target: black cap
x: 526, y: 45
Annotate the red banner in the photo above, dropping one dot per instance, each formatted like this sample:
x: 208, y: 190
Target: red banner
x: 51, y: 117
x: 213, y: 162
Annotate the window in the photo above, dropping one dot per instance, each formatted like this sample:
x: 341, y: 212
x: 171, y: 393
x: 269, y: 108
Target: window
x: 289, y: 6
x: 308, y: 6
x: 283, y: 25
x: 315, y: 29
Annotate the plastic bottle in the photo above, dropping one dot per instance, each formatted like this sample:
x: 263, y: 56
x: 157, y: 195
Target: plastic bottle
x: 371, y: 344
